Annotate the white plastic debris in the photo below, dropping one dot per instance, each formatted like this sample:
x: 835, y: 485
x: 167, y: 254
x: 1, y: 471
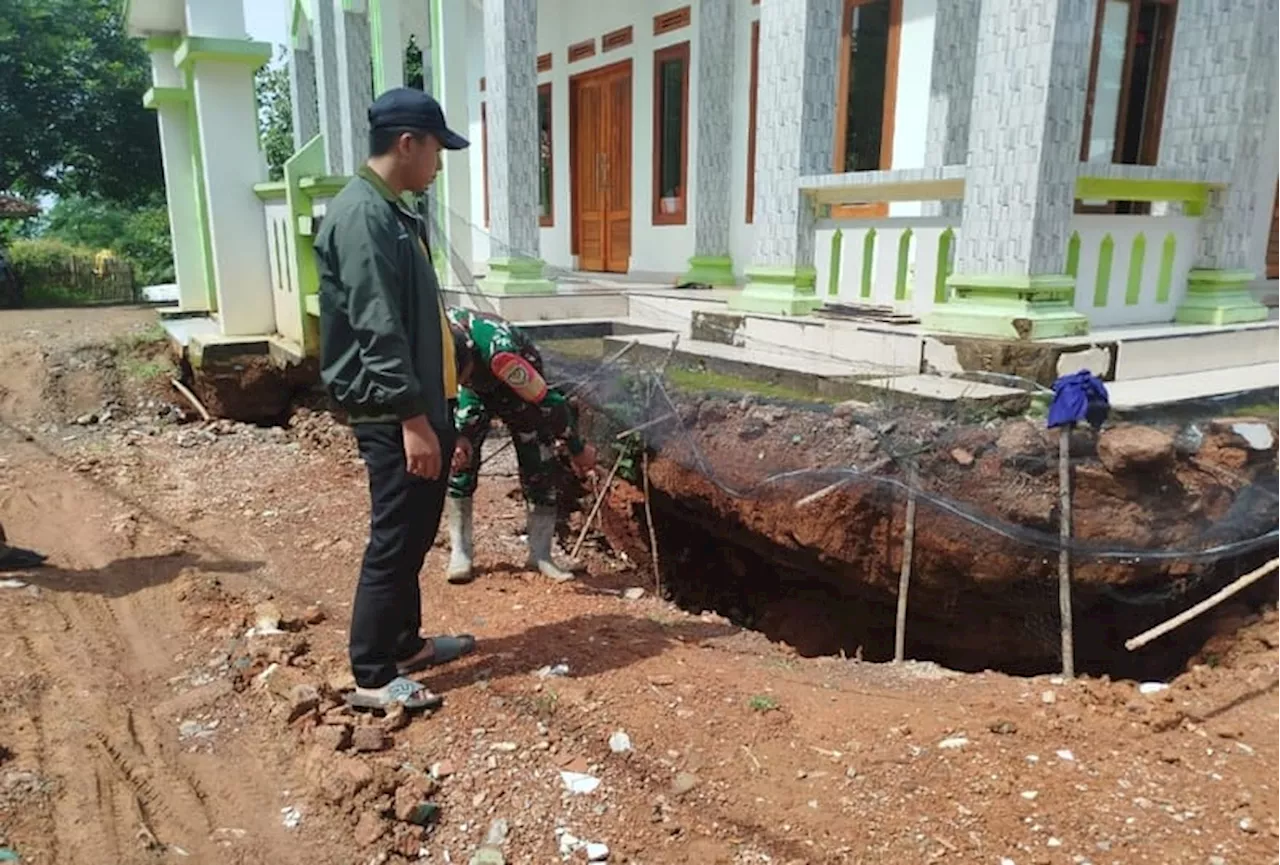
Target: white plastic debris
x: 1064, y: 754
x: 12, y: 584
x: 619, y: 742
x: 953, y: 742
x: 1256, y: 435
x: 291, y: 816
x: 1152, y: 687
x: 597, y: 852
x: 554, y: 671
x: 1030, y: 795
x: 578, y: 782
x: 569, y: 844
x: 634, y: 593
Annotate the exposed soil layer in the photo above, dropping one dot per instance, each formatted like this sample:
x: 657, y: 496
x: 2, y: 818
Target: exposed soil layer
x: 252, y: 388
x: 140, y: 721
x: 818, y: 567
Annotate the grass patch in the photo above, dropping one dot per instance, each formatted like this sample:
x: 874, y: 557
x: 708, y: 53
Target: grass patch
x: 588, y: 348
x: 1267, y: 410
x: 703, y: 381
x: 763, y: 703
x: 142, y: 355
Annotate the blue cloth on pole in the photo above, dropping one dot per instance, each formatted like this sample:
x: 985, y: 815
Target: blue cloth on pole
x: 1079, y: 396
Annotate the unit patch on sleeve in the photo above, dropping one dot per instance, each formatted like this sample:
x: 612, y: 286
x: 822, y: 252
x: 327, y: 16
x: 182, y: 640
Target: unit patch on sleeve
x: 520, y: 376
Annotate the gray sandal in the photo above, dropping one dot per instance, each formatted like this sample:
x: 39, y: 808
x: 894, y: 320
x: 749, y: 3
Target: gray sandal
x: 413, y: 696
x: 444, y: 649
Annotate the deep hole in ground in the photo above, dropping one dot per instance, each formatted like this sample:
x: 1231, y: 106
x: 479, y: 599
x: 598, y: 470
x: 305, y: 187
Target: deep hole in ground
x: 821, y: 609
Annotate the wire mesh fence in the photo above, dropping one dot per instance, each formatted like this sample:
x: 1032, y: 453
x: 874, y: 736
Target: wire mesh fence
x: 781, y: 499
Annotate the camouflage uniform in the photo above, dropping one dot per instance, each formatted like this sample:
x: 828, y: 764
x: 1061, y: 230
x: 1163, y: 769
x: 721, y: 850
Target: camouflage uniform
x: 501, y: 385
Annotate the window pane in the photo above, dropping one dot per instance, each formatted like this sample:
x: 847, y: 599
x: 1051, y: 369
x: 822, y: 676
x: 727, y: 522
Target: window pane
x: 544, y: 153
x: 1106, y: 91
x: 670, y: 168
x: 868, y: 68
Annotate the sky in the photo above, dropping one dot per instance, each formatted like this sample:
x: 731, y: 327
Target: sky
x: 267, y: 20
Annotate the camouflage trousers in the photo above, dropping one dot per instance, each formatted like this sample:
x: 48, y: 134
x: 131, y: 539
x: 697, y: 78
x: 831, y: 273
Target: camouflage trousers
x: 536, y: 459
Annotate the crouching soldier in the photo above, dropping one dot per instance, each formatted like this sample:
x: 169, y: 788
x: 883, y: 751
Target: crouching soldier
x: 500, y: 374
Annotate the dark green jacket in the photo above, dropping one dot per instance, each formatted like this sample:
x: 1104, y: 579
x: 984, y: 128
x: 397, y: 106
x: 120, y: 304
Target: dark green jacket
x: 380, y: 335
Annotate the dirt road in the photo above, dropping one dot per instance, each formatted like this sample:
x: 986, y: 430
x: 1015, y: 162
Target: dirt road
x: 140, y: 724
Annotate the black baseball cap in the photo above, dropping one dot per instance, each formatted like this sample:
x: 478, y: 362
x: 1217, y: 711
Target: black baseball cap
x: 410, y: 108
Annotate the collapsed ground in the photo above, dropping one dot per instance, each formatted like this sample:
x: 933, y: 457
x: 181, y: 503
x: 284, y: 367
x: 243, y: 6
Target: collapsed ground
x: 141, y: 725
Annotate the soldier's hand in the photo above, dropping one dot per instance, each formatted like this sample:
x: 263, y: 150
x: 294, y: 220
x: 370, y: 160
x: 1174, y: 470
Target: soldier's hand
x: 461, y: 456
x: 584, y: 463
x: 421, y: 448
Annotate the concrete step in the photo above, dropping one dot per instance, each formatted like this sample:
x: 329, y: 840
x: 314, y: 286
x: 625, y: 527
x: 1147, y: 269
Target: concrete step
x: 1168, y: 389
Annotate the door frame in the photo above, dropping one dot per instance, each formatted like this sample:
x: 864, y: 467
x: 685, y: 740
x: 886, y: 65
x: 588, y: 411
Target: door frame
x: 575, y: 81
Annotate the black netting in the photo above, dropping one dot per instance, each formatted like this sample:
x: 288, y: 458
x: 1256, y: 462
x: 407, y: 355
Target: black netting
x: 782, y: 505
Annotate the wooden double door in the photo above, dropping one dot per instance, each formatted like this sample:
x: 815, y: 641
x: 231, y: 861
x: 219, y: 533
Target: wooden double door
x: 600, y: 153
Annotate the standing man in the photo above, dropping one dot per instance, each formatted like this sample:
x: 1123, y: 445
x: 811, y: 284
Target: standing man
x: 500, y: 373
x: 387, y: 357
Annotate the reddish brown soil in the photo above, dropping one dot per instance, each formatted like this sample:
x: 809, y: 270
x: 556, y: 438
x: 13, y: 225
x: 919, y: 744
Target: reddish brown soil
x: 133, y: 731
x: 983, y: 591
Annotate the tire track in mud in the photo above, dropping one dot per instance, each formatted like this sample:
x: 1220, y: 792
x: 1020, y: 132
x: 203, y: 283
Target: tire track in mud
x: 103, y: 635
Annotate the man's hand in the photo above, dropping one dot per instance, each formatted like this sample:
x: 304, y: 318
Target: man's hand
x: 585, y: 462
x: 461, y: 456
x: 421, y: 448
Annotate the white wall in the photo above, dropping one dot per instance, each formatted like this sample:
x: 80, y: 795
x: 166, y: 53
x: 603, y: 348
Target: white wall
x: 911, y: 110
x: 664, y: 251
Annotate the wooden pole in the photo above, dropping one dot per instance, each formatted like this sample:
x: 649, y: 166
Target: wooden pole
x: 1064, y: 552
x: 1208, y: 603
x: 904, y: 578
x: 191, y: 398
x: 653, y: 532
x: 604, y: 491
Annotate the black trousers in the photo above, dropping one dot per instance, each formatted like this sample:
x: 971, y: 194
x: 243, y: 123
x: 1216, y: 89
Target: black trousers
x: 404, y: 516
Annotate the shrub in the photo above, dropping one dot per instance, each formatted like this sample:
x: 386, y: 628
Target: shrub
x: 56, y: 273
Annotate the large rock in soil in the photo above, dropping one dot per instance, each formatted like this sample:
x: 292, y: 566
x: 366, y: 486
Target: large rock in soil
x: 1126, y: 448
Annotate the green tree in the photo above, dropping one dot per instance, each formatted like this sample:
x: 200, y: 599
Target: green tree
x: 275, y: 114
x: 71, y: 116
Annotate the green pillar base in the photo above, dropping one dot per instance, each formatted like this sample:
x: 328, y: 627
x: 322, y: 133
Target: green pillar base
x: 779, y: 291
x: 710, y: 270
x: 1219, y: 297
x: 1009, y: 307
x: 516, y: 276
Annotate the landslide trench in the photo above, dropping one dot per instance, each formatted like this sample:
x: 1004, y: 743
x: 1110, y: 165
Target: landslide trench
x: 823, y: 576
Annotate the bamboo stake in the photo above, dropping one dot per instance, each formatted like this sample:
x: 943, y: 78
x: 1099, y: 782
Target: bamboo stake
x: 644, y: 426
x: 820, y: 494
x: 604, y: 491
x: 904, y: 578
x: 653, y: 533
x: 1064, y: 553
x: 191, y: 398
x: 1209, y: 602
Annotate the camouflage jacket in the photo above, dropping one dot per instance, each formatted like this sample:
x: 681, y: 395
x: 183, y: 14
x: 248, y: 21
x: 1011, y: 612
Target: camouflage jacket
x: 507, y: 380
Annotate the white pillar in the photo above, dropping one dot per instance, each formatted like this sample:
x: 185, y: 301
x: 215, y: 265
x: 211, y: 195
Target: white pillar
x: 1220, y: 116
x: 455, y: 192
x: 713, y: 164
x: 215, y: 19
x: 1031, y: 72
x: 510, y: 61
x: 388, y: 40
x: 303, y: 98
x: 324, y: 36
x: 171, y: 103
x: 354, y: 56
x: 795, y: 132
x: 955, y: 46
x: 221, y: 78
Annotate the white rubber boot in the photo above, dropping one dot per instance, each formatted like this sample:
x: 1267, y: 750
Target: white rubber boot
x: 542, y: 529
x: 460, y: 522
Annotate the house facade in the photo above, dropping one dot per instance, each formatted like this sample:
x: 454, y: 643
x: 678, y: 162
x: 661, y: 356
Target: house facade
x: 1015, y: 168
